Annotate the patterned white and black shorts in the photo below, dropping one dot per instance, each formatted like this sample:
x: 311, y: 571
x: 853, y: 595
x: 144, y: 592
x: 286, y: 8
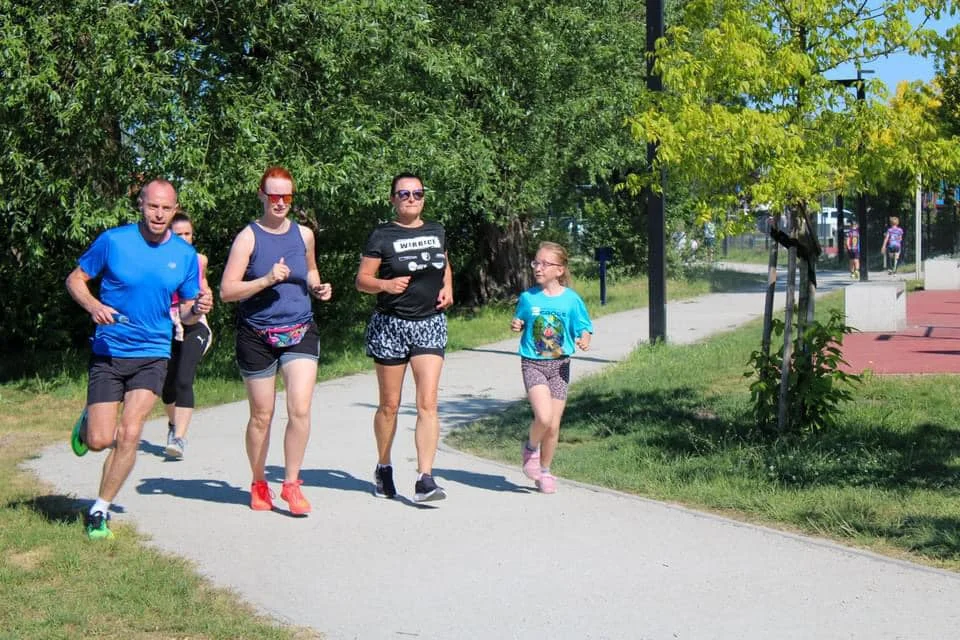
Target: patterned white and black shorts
x: 392, y: 340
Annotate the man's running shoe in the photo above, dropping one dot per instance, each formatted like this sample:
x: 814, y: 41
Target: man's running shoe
x: 531, y: 462
x: 426, y: 490
x: 78, y: 434
x: 291, y: 493
x: 384, y: 487
x: 96, y: 525
x: 261, y: 498
x: 175, y: 447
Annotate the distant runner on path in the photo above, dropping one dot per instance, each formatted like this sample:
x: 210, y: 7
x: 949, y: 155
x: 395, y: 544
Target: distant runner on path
x: 190, y: 342
x: 893, y: 244
x: 853, y: 249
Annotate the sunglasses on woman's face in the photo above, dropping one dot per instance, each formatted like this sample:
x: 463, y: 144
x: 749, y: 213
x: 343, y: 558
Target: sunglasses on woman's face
x: 277, y: 198
x: 404, y: 194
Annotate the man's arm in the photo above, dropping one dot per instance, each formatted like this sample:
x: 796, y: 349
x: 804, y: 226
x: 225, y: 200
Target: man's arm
x: 192, y: 309
x: 78, y: 286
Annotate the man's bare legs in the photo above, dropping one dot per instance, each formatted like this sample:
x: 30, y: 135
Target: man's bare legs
x: 103, y: 432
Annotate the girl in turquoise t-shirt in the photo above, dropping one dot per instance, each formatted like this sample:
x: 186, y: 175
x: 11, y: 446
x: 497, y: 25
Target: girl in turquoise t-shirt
x: 554, y: 321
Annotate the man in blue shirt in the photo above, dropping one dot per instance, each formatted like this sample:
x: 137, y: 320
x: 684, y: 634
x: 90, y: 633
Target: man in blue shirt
x: 140, y: 267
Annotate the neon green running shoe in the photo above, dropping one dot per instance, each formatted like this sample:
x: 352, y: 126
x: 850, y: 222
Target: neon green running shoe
x: 96, y: 525
x: 76, y: 436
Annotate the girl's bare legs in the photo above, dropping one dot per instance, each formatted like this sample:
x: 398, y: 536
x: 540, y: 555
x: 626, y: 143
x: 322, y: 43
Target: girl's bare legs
x: 545, y: 427
x: 542, y: 406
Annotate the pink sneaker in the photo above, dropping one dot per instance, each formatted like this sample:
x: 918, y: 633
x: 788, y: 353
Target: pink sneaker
x: 547, y: 483
x: 261, y: 496
x: 531, y: 462
x: 291, y: 492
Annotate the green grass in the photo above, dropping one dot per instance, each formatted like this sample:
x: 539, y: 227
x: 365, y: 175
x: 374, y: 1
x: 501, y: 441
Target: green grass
x: 669, y: 423
x: 673, y: 423
x: 756, y: 255
x: 54, y: 584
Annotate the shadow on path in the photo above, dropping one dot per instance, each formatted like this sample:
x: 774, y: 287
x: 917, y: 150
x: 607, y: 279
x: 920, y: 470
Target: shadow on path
x: 195, y: 489
x: 324, y: 478
x: 58, y: 508
x: 480, y: 480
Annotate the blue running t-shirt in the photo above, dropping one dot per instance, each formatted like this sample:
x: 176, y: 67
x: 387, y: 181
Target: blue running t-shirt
x: 138, y: 279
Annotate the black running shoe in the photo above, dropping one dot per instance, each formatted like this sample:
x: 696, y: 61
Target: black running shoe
x: 96, y: 525
x: 384, y: 487
x: 426, y: 490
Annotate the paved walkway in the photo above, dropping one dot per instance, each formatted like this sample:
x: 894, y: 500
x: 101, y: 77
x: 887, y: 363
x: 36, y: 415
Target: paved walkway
x: 929, y: 344
x: 498, y: 560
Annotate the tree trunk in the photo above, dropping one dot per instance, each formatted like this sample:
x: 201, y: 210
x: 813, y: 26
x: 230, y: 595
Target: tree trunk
x: 783, y: 417
x: 771, y: 290
x: 499, y: 267
x: 807, y: 240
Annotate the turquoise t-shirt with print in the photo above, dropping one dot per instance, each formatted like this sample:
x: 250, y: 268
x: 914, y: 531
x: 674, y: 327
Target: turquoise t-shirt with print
x: 551, y: 324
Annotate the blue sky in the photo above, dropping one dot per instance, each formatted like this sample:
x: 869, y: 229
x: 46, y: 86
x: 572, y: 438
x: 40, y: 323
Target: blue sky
x: 902, y: 66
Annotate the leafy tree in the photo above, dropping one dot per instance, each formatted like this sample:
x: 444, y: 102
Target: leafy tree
x: 911, y: 144
x: 748, y: 116
x: 948, y: 79
x: 547, y: 85
x: 81, y: 82
x: 502, y: 107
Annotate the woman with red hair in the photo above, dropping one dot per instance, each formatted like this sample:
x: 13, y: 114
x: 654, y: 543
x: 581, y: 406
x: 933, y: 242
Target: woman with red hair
x: 272, y: 272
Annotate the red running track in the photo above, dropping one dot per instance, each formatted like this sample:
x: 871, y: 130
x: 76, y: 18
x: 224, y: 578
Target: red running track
x: 929, y: 344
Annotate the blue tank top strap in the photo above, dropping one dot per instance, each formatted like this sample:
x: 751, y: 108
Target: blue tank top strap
x: 285, y: 303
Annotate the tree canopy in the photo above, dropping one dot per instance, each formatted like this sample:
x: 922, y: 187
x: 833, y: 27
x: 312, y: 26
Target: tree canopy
x: 502, y: 107
x: 749, y: 114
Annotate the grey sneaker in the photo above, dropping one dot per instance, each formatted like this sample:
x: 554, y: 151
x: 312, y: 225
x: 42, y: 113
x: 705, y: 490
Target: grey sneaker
x: 175, y: 447
x: 426, y: 490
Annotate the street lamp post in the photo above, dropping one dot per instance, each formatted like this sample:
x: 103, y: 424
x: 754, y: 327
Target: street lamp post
x: 861, y: 196
x: 841, y: 231
x: 656, y: 228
